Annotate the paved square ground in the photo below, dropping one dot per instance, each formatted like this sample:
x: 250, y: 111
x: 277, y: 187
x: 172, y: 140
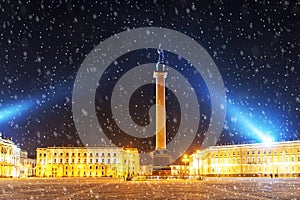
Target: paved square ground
x: 102, y: 188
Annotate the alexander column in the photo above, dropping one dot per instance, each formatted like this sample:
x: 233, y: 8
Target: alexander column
x: 161, y: 154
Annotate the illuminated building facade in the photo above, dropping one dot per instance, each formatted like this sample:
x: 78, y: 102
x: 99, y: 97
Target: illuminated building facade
x: 9, y: 158
x: 27, y: 165
x: 280, y: 159
x: 87, y: 162
x: 179, y: 170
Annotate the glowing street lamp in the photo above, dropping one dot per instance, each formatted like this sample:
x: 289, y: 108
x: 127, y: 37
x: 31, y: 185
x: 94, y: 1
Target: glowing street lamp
x: 185, y: 160
x: 198, y: 159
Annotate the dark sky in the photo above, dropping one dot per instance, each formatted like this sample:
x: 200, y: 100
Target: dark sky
x: 255, y: 45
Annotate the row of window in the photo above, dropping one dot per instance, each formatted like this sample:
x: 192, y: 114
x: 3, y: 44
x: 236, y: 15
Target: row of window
x: 254, y: 160
x: 72, y: 173
x: 82, y: 160
x: 54, y: 174
x: 254, y: 152
x: 9, y: 151
x: 280, y: 169
x: 80, y: 154
x: 72, y: 167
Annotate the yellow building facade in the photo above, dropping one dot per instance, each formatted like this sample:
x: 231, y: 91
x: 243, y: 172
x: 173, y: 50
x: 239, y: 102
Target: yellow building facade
x: 9, y: 158
x: 27, y: 165
x: 279, y: 159
x: 87, y: 162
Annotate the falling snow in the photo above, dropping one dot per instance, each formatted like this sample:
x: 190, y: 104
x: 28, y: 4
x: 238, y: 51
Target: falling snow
x: 255, y: 45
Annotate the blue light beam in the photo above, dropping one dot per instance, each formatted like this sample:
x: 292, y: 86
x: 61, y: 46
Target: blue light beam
x: 247, y: 124
x: 14, y: 110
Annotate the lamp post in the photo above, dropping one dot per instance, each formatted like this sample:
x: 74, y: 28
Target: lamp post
x: 202, y: 163
x: 128, y: 160
x: 198, y: 159
x: 185, y: 160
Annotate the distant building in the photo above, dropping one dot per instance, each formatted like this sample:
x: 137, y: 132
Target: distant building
x: 9, y: 158
x: 179, y: 170
x: 146, y: 170
x: 280, y: 159
x: 87, y: 162
x: 27, y: 165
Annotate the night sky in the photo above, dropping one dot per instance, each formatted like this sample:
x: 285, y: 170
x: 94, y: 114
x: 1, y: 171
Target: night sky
x: 255, y: 45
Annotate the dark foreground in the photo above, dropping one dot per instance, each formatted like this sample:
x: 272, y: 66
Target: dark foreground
x: 88, y: 188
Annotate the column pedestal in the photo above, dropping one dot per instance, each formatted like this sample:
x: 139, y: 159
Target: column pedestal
x: 161, y: 161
